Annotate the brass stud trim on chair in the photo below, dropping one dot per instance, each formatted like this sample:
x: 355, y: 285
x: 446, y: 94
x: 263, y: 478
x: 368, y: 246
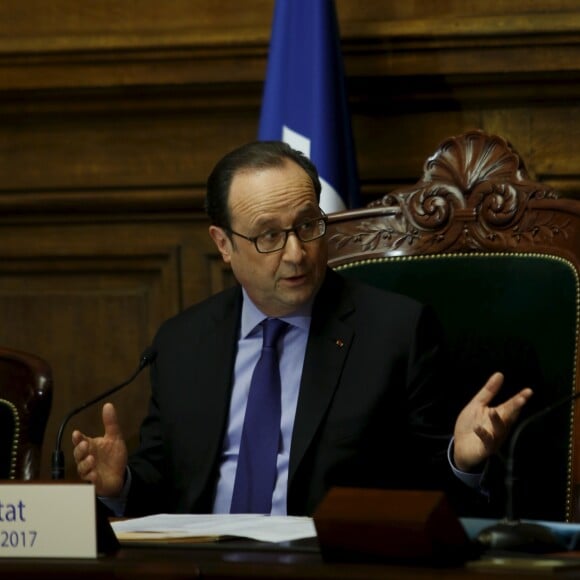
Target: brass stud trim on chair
x: 15, y: 439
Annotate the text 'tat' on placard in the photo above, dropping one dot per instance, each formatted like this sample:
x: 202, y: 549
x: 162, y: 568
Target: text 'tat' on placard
x: 47, y: 520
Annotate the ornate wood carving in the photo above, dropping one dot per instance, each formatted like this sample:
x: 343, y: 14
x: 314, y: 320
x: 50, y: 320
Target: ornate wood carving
x: 475, y: 194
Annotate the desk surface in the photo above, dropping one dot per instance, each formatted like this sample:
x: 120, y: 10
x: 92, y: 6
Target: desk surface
x: 233, y: 561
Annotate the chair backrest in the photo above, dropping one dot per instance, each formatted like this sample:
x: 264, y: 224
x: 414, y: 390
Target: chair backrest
x: 498, y: 257
x: 25, y: 401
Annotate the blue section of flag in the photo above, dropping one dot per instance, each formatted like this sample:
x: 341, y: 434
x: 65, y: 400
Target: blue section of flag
x: 305, y: 91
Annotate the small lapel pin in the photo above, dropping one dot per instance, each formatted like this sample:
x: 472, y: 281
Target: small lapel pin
x: 339, y: 342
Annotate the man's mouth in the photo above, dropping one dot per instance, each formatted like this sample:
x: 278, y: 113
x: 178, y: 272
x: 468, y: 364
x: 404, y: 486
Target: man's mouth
x: 294, y: 279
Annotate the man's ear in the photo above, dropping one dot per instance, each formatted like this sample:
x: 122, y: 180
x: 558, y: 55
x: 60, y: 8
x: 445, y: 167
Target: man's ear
x: 222, y: 241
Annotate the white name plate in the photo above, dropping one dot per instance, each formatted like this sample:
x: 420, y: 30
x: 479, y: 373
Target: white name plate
x: 47, y: 520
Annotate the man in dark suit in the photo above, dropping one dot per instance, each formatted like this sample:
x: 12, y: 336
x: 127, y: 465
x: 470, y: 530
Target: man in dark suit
x: 361, y: 370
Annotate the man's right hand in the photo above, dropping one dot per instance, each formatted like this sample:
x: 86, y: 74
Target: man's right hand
x: 102, y: 460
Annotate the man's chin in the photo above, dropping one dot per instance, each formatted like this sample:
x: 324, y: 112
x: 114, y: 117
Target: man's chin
x: 294, y: 298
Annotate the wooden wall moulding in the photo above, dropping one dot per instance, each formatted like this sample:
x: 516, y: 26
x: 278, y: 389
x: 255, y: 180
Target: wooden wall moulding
x: 98, y: 205
x: 192, y: 45
x: 530, y: 42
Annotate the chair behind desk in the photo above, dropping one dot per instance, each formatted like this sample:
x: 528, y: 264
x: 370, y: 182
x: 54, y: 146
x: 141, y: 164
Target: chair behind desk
x: 497, y: 255
x: 25, y: 401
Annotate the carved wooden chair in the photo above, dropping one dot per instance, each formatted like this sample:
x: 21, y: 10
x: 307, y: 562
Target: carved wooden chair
x: 497, y: 255
x: 25, y: 401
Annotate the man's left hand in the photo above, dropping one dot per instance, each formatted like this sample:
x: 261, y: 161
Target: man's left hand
x: 481, y: 429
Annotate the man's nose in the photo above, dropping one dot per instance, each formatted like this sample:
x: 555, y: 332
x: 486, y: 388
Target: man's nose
x: 294, y: 248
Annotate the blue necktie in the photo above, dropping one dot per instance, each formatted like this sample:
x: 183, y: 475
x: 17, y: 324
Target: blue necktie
x: 256, y: 471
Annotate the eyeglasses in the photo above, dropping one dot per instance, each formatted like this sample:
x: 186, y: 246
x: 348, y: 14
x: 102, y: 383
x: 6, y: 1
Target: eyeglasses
x: 275, y: 240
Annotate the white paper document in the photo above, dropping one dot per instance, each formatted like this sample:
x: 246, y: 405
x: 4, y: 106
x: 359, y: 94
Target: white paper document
x: 214, y: 526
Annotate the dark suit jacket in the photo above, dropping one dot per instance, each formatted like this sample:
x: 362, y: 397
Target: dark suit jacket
x: 367, y: 415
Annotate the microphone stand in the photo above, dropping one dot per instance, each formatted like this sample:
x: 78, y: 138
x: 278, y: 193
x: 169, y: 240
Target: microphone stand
x: 57, y: 464
x: 510, y: 534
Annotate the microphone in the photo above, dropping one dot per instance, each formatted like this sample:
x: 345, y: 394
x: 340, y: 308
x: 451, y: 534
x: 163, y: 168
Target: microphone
x: 57, y: 466
x: 511, y: 534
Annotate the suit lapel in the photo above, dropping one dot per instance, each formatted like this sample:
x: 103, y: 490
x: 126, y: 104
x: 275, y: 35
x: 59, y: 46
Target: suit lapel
x: 328, y: 345
x: 216, y: 354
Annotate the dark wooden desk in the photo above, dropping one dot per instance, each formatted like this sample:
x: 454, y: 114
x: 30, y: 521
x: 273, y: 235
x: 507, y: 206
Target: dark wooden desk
x: 233, y: 561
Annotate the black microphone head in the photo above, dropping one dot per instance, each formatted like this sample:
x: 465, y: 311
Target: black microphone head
x: 147, y: 357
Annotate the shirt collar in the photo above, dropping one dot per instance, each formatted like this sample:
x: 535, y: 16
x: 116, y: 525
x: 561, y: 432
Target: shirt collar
x: 252, y: 316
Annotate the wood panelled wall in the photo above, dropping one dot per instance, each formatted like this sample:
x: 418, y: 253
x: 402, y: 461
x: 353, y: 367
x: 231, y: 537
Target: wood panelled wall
x: 112, y: 114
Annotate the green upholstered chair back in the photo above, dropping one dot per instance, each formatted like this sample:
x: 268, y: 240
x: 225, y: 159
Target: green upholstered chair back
x: 25, y: 401
x: 496, y: 255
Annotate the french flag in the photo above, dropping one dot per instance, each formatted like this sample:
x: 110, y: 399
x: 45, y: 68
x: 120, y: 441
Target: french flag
x: 304, y: 101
